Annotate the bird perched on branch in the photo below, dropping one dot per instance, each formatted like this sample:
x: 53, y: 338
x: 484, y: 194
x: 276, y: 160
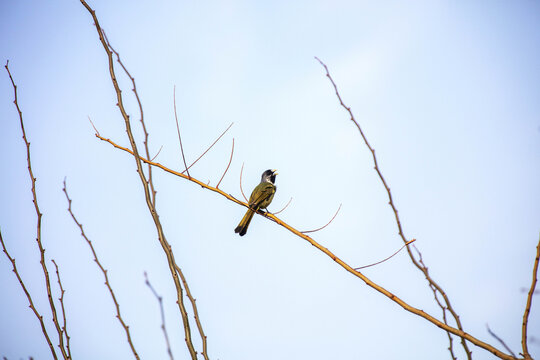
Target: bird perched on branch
x: 260, y: 198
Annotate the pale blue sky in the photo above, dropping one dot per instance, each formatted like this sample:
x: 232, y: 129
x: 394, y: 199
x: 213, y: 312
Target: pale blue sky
x: 446, y: 91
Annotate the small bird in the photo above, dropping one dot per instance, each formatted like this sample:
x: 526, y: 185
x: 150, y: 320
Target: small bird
x: 260, y: 198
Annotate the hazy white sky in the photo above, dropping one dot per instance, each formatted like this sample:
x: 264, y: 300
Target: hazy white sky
x: 447, y: 93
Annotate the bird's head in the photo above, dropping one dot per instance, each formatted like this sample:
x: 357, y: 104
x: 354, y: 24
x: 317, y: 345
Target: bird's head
x: 269, y: 176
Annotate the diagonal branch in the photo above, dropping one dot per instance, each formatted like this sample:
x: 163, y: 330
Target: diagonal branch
x: 143, y: 125
x: 104, y: 271
x: 29, y: 297
x: 38, y: 225
x: 163, y: 328
x: 208, y: 149
x: 456, y: 331
x: 423, y: 269
x: 195, y: 313
x: 229, y: 164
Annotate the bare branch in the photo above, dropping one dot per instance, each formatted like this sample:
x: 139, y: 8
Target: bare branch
x: 155, y: 156
x: 394, y: 209
x: 204, y: 153
x: 163, y: 328
x: 167, y: 249
x: 229, y: 164
x: 322, y: 227
x: 529, y: 301
x: 500, y: 340
x: 178, y: 129
x: 104, y: 272
x: 143, y: 125
x: 385, y: 259
x: 61, y: 299
x: 38, y: 225
x: 29, y: 297
x: 195, y: 313
x: 458, y: 332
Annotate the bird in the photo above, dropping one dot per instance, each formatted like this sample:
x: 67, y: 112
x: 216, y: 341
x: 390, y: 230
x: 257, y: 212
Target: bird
x: 260, y: 198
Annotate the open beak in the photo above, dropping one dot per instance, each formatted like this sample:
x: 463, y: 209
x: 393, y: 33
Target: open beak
x: 274, y: 172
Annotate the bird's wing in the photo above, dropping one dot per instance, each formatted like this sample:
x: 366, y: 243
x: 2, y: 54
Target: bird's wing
x: 262, y: 192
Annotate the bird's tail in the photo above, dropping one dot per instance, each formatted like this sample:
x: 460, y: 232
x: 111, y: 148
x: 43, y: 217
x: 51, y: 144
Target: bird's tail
x: 241, y: 229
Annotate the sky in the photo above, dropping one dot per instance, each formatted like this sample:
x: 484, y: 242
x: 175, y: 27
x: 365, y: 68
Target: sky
x: 447, y: 93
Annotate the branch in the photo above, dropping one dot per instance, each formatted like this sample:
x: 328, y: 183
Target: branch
x: 286, y: 206
x: 167, y: 249
x: 242, y: 190
x: 322, y: 227
x: 61, y: 299
x: 38, y: 225
x: 204, y: 153
x: 500, y: 340
x: 178, y: 129
x: 385, y: 259
x: 347, y: 267
x: 394, y: 209
x: 143, y: 125
x: 29, y: 297
x: 529, y: 301
x: 195, y: 313
x: 104, y: 272
x: 163, y: 328
x: 229, y: 164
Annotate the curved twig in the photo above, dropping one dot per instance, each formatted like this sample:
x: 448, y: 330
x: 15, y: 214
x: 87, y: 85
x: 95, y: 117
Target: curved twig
x: 322, y: 227
x: 385, y: 259
x: 155, y: 156
x: 242, y: 190
x: 229, y: 164
x: 178, y: 129
x: 277, y: 212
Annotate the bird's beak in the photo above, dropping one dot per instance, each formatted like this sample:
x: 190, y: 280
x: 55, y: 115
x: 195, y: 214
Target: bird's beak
x: 274, y: 172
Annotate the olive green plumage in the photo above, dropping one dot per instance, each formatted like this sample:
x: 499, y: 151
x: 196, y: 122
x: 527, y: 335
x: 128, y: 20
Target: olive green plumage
x: 260, y: 198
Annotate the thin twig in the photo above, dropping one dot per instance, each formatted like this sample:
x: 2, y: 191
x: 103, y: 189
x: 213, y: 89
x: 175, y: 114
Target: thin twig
x: 29, y: 297
x: 277, y: 212
x: 458, y: 332
x: 242, y: 190
x: 229, y: 164
x: 178, y: 129
x: 204, y: 153
x: 385, y: 259
x: 195, y: 313
x: 104, y: 272
x: 163, y: 328
x: 396, y: 216
x: 529, y: 301
x: 167, y: 249
x: 500, y: 340
x: 155, y: 156
x: 443, y: 308
x: 61, y: 299
x: 38, y: 225
x: 322, y: 227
